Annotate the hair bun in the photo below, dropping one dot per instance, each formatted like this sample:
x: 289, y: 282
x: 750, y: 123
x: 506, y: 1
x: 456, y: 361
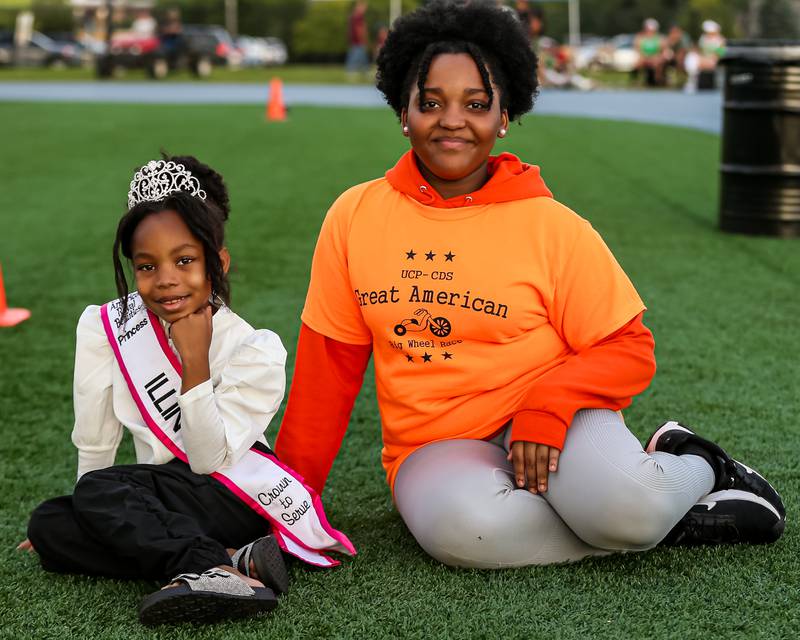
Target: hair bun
x: 210, y: 181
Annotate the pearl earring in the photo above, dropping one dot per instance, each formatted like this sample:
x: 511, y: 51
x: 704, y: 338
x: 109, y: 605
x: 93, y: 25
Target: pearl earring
x: 405, y: 129
x: 501, y: 133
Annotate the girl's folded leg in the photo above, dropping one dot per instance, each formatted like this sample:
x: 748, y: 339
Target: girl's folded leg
x: 63, y: 546
x: 457, y: 497
x: 615, y: 496
x: 163, y: 519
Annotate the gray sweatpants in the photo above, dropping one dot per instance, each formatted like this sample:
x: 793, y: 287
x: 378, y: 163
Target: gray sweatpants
x: 459, y: 500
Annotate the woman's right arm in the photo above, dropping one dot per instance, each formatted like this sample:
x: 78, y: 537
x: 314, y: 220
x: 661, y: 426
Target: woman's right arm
x: 333, y: 350
x: 97, y: 432
x: 327, y: 378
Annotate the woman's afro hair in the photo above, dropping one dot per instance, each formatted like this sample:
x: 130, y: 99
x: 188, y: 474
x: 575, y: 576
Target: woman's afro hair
x: 492, y: 35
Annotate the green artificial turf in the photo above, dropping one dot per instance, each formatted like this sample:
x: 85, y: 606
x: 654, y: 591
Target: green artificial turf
x: 724, y: 310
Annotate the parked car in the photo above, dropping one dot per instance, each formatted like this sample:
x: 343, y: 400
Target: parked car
x: 214, y: 40
x: 588, y: 54
x: 196, y: 49
x: 623, y: 56
x: 6, y: 48
x: 278, y: 52
x: 40, y: 51
x: 260, y: 52
x: 132, y: 51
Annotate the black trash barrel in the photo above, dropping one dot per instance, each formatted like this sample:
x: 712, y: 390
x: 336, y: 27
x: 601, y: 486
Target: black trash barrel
x: 760, y: 176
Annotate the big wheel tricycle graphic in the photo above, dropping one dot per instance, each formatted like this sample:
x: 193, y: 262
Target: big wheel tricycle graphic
x: 439, y: 326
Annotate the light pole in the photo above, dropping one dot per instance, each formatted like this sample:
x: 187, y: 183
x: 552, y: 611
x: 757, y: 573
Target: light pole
x: 232, y: 17
x: 395, y: 9
x: 574, y: 23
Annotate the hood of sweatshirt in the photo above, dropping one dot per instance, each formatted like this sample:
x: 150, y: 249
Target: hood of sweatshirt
x: 509, y: 179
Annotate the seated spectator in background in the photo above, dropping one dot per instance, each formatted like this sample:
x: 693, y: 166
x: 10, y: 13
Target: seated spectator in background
x: 712, y: 42
x: 144, y: 24
x: 523, y: 9
x: 650, y: 45
x: 536, y: 26
x: 557, y: 67
x: 678, y: 44
x: 703, y: 58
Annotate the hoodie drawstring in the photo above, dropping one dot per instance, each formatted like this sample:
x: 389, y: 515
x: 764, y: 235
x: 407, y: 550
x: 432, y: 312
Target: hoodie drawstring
x: 428, y: 197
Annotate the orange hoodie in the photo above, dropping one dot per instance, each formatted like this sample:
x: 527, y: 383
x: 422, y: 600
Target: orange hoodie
x: 493, y: 306
x: 509, y: 179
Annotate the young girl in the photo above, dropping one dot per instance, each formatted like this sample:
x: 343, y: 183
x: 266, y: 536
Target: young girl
x: 196, y: 386
x: 506, y: 336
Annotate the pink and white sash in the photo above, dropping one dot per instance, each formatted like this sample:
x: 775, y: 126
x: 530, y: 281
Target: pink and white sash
x: 261, y: 481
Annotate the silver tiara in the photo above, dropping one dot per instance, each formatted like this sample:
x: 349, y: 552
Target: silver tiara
x: 158, y: 179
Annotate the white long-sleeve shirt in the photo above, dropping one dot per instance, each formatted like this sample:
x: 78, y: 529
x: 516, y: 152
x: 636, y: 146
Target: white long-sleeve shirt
x: 220, y: 418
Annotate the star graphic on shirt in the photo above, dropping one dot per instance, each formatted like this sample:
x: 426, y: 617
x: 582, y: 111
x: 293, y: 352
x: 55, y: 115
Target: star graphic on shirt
x: 429, y: 255
x: 448, y: 257
x: 409, y: 358
x: 410, y: 255
x: 426, y: 357
x: 447, y: 356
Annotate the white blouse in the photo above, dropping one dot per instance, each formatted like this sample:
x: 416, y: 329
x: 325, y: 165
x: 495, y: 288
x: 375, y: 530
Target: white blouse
x: 220, y: 418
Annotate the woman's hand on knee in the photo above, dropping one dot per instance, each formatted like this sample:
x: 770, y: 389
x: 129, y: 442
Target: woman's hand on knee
x: 533, y: 463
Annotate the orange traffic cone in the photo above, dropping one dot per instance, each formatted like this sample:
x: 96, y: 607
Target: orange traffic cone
x: 276, y: 109
x: 10, y: 317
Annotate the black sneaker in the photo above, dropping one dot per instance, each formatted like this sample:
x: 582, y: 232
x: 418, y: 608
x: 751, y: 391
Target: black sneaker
x: 728, y: 517
x: 673, y: 437
x: 267, y: 558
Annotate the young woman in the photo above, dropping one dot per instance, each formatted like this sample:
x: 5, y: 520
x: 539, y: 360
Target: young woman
x: 196, y: 386
x: 506, y: 337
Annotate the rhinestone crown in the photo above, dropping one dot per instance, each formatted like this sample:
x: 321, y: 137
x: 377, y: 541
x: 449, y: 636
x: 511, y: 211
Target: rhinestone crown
x: 160, y: 178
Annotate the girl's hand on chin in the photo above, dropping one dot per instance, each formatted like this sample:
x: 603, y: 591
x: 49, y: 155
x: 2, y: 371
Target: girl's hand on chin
x: 191, y: 334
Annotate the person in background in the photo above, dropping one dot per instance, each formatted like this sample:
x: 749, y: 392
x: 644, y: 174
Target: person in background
x: 712, y: 42
x: 357, y: 60
x: 557, y: 67
x: 170, y: 34
x: 536, y: 26
x: 678, y: 44
x: 523, y: 9
x: 144, y: 25
x: 650, y: 45
x: 704, y: 58
x: 380, y: 39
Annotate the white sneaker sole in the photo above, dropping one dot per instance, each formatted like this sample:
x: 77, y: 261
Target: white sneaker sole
x: 712, y: 499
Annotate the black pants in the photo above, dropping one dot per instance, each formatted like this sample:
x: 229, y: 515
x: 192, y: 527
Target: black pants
x: 142, y: 521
